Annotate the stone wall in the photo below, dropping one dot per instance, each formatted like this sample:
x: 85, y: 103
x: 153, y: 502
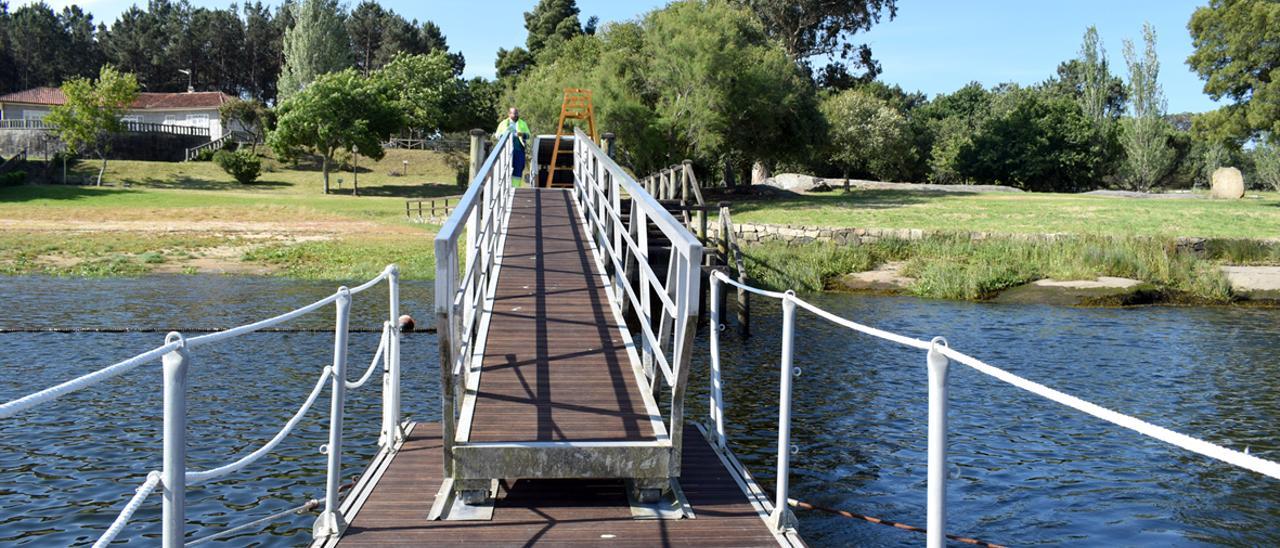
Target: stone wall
x: 750, y: 233
x: 126, y: 146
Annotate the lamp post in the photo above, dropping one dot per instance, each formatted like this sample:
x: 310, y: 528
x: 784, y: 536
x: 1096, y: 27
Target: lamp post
x: 355, y: 171
x: 190, y: 87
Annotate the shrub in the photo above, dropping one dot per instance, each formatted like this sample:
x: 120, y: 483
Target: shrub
x: 13, y: 178
x: 241, y: 164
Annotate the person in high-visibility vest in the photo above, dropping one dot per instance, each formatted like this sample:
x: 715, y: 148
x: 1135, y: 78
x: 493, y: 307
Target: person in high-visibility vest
x: 513, y: 124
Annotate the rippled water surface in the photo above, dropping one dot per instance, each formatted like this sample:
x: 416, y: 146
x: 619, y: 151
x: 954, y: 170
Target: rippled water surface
x: 1024, y: 470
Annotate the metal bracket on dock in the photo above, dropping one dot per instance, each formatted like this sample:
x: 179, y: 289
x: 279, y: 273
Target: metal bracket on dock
x: 450, y: 507
x: 670, y: 505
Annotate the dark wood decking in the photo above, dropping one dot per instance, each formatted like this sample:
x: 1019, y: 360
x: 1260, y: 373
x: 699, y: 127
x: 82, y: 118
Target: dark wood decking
x: 553, y: 512
x: 555, y: 366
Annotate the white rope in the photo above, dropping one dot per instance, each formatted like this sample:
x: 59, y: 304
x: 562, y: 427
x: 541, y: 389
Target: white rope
x: 1213, y: 451
x: 153, y: 479
x: 26, y: 402
x: 199, y: 477
x: 19, y: 405
x: 305, y: 507
x: 1230, y: 456
x: 382, y: 346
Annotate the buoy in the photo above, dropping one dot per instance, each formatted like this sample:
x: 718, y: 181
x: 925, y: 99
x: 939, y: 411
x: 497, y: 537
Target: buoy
x: 406, y: 324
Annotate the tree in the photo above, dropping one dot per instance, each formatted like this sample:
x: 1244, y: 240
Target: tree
x: 697, y: 79
x: 422, y: 87
x: 91, y: 114
x: 551, y: 20
x: 263, y: 40
x: 337, y: 111
x: 1266, y: 161
x: 366, y: 25
x: 254, y: 116
x: 1237, y: 54
x: 1035, y: 140
x: 809, y: 28
x: 867, y: 136
x: 952, y: 121
x: 8, y: 76
x: 1146, y: 133
x: 316, y: 44
x: 1095, y: 79
x: 512, y: 63
x: 34, y: 33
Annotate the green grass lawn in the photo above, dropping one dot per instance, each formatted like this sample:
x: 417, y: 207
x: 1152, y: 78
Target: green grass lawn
x: 120, y: 228
x: 1019, y: 213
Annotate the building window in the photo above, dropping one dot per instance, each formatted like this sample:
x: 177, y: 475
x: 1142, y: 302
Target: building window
x: 198, y: 120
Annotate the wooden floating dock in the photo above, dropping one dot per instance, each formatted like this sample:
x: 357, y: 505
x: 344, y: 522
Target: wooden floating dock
x: 396, y: 496
x: 557, y: 414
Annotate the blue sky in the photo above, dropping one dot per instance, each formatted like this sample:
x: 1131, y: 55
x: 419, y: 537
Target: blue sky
x: 934, y: 46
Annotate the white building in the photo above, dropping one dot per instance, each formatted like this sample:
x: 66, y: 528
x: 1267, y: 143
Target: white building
x: 167, y: 110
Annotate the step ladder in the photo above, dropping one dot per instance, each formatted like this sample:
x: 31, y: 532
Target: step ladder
x: 575, y: 106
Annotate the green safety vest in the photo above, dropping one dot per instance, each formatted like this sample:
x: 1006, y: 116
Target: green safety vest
x: 522, y: 129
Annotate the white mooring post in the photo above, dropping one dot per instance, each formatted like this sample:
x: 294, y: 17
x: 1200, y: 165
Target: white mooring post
x: 174, y: 473
x: 331, y: 522
x: 781, y: 515
x: 717, y: 398
x: 937, y: 474
x: 391, y: 433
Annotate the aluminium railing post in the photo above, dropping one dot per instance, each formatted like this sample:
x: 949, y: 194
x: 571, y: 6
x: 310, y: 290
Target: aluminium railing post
x: 717, y: 397
x: 331, y: 522
x: 391, y: 433
x: 937, y: 473
x: 781, y: 517
x: 175, y: 365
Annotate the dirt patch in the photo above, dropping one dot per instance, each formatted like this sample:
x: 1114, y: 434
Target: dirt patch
x: 238, y: 228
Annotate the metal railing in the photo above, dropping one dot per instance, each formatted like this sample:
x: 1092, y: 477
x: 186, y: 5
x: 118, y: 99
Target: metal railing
x: 176, y: 356
x: 129, y: 126
x: 599, y: 187
x: 235, y: 135
x: 938, y: 356
x: 481, y: 215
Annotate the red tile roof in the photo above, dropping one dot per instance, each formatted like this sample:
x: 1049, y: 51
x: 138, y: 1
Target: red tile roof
x: 199, y: 99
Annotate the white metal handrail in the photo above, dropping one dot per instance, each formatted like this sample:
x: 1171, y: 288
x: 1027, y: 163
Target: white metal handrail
x: 478, y: 223
x: 938, y: 356
x: 175, y: 356
x: 599, y: 187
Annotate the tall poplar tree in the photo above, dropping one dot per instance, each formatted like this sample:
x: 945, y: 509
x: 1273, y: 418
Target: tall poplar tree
x: 1148, y: 155
x: 316, y: 44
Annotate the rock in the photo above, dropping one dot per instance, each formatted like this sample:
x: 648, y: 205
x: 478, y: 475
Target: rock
x: 1227, y: 183
x: 1105, y: 290
x: 1254, y: 282
x: 887, y: 278
x: 794, y: 182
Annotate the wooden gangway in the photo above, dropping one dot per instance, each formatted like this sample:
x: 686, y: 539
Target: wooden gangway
x: 564, y: 317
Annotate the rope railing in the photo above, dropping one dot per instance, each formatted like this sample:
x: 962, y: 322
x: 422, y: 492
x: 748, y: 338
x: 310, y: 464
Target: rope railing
x: 175, y: 355
x: 239, y: 464
x: 144, y: 490
x: 939, y: 353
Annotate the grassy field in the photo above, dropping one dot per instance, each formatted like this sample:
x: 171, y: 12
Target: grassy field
x: 1019, y: 213
x: 193, y: 217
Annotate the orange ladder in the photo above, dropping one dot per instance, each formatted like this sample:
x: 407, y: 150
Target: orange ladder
x: 576, y: 106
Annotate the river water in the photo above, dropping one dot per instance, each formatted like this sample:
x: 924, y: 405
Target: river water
x: 1023, y: 470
